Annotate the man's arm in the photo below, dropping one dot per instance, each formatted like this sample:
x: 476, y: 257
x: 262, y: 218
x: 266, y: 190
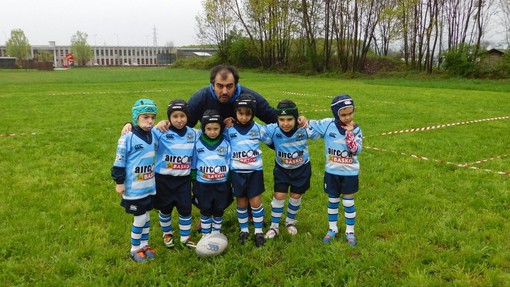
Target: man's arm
x: 264, y: 112
x: 197, y: 105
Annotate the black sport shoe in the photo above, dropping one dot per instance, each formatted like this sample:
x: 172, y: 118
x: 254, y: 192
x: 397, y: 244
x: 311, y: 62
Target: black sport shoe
x: 243, y: 236
x: 259, y: 239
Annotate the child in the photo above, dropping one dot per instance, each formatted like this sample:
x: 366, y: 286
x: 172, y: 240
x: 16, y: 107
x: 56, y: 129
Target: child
x: 343, y: 143
x: 174, y: 151
x: 292, y: 168
x: 246, y: 167
x: 210, y: 169
x: 133, y: 171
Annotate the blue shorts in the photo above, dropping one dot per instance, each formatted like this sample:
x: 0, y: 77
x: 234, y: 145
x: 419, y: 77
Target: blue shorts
x: 249, y: 184
x: 340, y: 184
x: 137, y: 206
x: 173, y: 191
x: 297, y: 179
x: 212, y: 198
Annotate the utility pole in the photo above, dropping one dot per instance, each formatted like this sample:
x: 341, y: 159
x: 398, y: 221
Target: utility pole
x: 154, y: 37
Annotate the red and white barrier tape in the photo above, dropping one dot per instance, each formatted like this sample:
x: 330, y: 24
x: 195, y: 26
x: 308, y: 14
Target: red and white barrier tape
x: 463, y: 165
x: 439, y: 126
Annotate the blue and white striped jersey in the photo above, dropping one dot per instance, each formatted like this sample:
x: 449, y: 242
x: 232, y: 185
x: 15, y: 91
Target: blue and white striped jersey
x: 174, y: 152
x: 291, y: 152
x: 137, y: 157
x: 212, y: 163
x: 245, y: 145
x: 339, y: 159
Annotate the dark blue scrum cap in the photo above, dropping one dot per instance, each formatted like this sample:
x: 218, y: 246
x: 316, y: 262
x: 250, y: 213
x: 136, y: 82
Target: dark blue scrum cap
x: 211, y: 116
x: 178, y: 105
x: 341, y: 102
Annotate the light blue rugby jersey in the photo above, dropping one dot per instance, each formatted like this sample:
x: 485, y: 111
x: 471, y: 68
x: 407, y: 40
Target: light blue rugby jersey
x: 137, y: 157
x: 291, y: 152
x: 212, y: 165
x: 246, y: 153
x: 339, y: 160
x: 174, y: 152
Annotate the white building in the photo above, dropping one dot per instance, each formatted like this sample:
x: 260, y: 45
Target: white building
x: 121, y: 55
x: 110, y: 55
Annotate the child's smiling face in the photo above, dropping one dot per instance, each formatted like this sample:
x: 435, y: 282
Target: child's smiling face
x: 286, y: 123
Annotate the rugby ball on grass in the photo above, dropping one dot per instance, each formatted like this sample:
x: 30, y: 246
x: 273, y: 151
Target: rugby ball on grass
x: 212, y: 245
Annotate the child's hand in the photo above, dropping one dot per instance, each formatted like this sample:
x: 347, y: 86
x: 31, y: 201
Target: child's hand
x: 349, y: 127
x: 302, y: 122
x: 229, y: 122
x: 120, y: 188
x: 126, y: 129
x: 163, y: 125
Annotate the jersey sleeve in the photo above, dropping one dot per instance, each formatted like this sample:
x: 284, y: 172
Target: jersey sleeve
x: 319, y: 126
x: 312, y: 133
x: 197, y: 104
x: 266, y: 134
x: 118, y: 171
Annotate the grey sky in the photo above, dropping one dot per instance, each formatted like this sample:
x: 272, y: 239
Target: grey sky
x: 110, y: 22
x: 122, y: 22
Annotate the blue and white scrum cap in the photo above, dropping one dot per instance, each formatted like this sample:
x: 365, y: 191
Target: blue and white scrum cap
x: 143, y: 106
x: 341, y: 102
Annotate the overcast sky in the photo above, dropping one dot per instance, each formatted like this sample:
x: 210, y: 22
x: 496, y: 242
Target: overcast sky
x: 117, y: 22
x: 107, y: 22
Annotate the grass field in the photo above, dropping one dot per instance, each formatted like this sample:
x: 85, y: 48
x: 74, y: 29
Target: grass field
x: 433, y: 207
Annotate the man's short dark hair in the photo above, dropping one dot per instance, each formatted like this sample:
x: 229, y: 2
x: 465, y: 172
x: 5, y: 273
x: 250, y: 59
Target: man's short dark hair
x: 224, y: 70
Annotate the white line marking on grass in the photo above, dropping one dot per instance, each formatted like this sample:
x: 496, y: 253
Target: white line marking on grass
x: 12, y: 135
x: 108, y: 92
x: 304, y: 94
x: 439, y: 126
x: 463, y: 165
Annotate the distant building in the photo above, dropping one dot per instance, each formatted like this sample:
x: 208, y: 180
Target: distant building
x: 7, y: 62
x: 491, y: 58
x: 120, y: 55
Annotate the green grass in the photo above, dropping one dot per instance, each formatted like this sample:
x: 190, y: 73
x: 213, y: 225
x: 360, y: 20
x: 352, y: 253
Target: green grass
x: 420, y: 222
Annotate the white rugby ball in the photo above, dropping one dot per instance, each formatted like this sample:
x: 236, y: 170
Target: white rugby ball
x: 212, y: 245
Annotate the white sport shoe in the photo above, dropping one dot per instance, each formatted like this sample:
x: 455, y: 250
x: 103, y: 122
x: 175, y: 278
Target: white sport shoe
x: 291, y: 228
x: 271, y: 233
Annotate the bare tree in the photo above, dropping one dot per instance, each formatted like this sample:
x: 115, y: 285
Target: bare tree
x: 269, y: 24
x: 215, y: 24
x: 504, y: 14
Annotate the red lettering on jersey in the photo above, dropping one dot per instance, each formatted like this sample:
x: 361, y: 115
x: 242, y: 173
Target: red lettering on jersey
x: 341, y: 160
x: 292, y: 161
x: 178, y: 166
x: 213, y: 175
x: 248, y: 159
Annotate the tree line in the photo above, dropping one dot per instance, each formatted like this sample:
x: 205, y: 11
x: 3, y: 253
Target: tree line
x: 339, y: 35
x: 18, y: 46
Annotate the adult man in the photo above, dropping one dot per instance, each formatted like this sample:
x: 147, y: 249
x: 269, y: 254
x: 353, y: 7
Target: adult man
x: 220, y: 95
